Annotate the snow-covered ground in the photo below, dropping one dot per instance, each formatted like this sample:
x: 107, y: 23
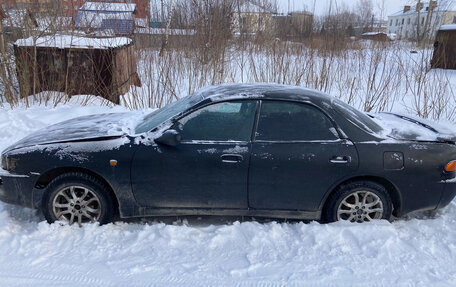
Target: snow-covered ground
x: 415, y: 251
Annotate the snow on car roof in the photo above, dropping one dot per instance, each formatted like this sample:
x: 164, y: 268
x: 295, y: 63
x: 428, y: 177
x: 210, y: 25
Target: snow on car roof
x: 230, y: 90
x: 71, y: 41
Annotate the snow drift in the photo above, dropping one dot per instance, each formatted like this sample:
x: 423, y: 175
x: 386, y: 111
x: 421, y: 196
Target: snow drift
x: 415, y: 251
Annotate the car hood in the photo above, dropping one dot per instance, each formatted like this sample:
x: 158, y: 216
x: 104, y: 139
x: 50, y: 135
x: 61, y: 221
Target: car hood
x: 404, y: 127
x: 87, y: 128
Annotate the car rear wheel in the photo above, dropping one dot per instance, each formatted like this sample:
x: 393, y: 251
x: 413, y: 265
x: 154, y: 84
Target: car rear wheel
x: 359, y: 201
x: 77, y: 198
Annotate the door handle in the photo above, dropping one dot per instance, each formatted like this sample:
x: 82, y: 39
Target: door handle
x: 340, y: 159
x: 232, y: 158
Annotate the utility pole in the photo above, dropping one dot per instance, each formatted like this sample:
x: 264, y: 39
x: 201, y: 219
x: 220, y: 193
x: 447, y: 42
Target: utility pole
x: 418, y: 24
x: 162, y: 12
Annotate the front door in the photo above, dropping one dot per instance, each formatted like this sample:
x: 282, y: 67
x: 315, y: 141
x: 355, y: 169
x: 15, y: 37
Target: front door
x: 296, y: 156
x: 208, y: 169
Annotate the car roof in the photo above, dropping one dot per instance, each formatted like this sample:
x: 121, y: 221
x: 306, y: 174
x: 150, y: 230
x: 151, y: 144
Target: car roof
x: 347, y: 121
x: 260, y: 90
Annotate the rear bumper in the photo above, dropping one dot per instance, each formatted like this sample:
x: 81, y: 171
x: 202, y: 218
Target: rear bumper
x: 448, y: 193
x: 17, y: 189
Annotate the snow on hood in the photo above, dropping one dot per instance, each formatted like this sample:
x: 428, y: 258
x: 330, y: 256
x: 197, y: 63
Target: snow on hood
x: 83, y: 128
x: 410, y: 128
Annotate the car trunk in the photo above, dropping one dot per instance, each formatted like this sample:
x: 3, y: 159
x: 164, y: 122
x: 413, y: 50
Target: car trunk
x: 403, y: 127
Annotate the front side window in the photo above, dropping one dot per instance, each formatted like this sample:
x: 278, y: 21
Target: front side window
x: 228, y: 121
x: 287, y: 121
x: 159, y: 116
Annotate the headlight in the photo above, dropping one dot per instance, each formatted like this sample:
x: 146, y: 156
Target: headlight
x: 8, y: 163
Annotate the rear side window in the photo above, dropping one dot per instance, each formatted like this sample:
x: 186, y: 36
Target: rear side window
x: 228, y: 121
x: 287, y: 121
x: 358, y: 118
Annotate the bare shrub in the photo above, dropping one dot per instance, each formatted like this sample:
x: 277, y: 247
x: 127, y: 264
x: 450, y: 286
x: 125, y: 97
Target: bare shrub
x: 431, y: 90
x: 371, y: 76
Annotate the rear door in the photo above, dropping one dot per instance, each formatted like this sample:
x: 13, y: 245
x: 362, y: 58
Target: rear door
x: 296, y: 156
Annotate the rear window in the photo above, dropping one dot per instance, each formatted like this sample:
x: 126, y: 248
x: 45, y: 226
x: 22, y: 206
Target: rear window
x: 358, y: 118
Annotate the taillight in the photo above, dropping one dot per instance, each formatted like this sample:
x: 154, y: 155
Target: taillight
x: 451, y: 166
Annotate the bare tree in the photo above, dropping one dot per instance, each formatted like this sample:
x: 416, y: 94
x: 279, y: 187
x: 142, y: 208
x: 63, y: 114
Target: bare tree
x: 168, y: 24
x: 434, y: 17
x: 381, y: 8
x: 365, y: 11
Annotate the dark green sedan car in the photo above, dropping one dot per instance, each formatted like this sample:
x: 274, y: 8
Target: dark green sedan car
x: 261, y: 150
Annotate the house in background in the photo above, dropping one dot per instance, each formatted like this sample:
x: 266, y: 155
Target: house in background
x: 18, y: 23
x: 34, y: 6
x: 429, y: 16
x: 294, y: 25
x: 250, y: 19
x: 118, y: 18
x: 71, y: 7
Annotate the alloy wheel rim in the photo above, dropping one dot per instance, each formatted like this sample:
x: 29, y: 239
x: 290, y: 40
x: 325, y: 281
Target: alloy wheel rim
x: 76, y: 204
x: 360, y: 206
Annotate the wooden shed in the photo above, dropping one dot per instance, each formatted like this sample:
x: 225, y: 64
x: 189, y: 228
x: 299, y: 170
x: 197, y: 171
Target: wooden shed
x: 445, y: 48
x: 376, y: 36
x: 74, y: 65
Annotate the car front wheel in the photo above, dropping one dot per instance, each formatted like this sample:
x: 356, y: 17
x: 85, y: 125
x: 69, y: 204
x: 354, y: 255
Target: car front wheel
x: 359, y: 201
x: 77, y: 197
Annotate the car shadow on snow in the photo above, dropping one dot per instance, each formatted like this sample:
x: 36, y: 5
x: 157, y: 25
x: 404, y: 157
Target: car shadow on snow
x: 22, y: 216
x: 203, y: 220
x: 25, y: 215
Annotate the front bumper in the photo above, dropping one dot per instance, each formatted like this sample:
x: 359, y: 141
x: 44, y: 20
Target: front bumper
x: 17, y: 189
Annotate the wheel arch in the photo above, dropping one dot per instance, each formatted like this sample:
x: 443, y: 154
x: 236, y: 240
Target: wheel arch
x: 393, y: 191
x: 46, y: 178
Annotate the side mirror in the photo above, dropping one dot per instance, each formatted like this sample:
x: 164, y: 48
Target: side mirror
x: 169, y: 137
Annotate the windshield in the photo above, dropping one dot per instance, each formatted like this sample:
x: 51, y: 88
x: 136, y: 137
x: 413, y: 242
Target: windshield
x: 159, y: 116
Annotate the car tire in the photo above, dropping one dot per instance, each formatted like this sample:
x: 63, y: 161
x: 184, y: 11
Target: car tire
x: 358, y: 201
x: 77, y: 198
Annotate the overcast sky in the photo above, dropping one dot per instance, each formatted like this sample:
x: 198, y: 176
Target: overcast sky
x: 322, y: 6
